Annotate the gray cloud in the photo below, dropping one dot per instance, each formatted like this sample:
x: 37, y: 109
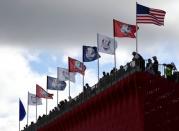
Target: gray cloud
x: 65, y: 24
x: 58, y: 23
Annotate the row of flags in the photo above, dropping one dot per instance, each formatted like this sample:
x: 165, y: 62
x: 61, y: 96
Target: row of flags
x: 105, y: 44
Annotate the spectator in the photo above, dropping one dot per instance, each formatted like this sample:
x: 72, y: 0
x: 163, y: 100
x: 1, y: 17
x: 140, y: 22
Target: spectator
x: 149, y: 66
x: 128, y: 67
x: 155, y: 65
x: 87, y: 86
x: 84, y: 88
x: 121, y: 71
x: 104, y: 73
x: 139, y: 61
x: 169, y: 70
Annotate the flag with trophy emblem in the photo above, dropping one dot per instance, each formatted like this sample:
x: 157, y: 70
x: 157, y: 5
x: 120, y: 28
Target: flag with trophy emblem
x: 90, y: 53
x: 41, y: 93
x: 76, y: 66
x: 55, y: 84
x: 64, y: 75
x: 33, y: 100
x: 106, y: 44
x: 123, y: 30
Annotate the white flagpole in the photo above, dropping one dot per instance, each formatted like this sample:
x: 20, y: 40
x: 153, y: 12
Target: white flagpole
x: 19, y: 125
x: 98, y: 59
x: 114, y: 49
x: 46, y: 98
x: 136, y: 31
x: 19, y: 114
x: 36, y: 109
x: 114, y: 53
x: 98, y: 71
x: 83, y: 78
x: 69, y: 85
x: 27, y: 108
x: 57, y: 98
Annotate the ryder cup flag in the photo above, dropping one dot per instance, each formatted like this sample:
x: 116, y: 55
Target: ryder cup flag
x: 33, y: 100
x: 90, y: 53
x: 148, y: 15
x: 64, y: 75
x: 55, y: 84
x: 76, y: 66
x: 106, y: 44
x: 123, y: 29
x: 22, y: 111
x: 41, y: 93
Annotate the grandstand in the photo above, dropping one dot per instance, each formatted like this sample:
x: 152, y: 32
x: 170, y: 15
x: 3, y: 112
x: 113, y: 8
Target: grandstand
x: 127, y: 99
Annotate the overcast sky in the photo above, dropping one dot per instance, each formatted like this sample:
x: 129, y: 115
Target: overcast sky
x: 36, y: 36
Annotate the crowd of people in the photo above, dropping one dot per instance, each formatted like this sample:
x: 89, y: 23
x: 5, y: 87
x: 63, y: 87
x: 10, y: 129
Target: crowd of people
x: 137, y: 64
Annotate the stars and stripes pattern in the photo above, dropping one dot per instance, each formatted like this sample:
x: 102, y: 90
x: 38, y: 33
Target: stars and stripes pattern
x: 148, y: 15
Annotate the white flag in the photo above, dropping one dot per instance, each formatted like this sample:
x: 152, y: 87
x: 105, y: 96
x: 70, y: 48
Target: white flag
x: 106, y: 44
x: 32, y: 99
x: 64, y: 75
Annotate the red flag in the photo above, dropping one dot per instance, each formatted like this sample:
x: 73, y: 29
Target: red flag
x: 123, y: 29
x: 41, y: 93
x: 76, y: 66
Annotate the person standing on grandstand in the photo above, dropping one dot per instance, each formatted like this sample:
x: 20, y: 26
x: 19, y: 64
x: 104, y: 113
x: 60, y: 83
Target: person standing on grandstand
x: 149, y: 66
x: 155, y: 65
x: 169, y: 68
x: 139, y: 61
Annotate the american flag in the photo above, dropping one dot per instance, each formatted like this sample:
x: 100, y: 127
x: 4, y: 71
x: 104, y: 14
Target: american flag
x: 148, y: 15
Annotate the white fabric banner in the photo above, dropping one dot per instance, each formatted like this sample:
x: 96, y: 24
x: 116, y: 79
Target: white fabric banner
x: 64, y: 75
x: 32, y: 99
x: 106, y: 44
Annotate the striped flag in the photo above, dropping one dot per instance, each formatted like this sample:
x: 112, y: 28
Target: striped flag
x: 148, y: 15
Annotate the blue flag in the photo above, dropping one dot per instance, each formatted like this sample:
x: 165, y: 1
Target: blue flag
x: 55, y: 84
x: 90, y: 53
x: 22, y: 111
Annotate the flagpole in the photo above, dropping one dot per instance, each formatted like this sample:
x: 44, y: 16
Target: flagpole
x: 98, y: 58
x: 83, y: 80
x: 19, y: 125
x: 57, y: 98
x: 114, y: 53
x: 69, y: 89
x: 46, y: 98
x: 69, y: 85
x: 136, y: 31
x: 114, y: 59
x: 114, y: 48
x: 27, y: 107
x: 19, y: 114
x: 36, y: 109
x: 98, y: 71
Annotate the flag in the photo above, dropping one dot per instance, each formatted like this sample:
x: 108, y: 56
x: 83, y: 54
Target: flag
x: 76, y: 66
x: 22, y: 111
x: 33, y: 100
x: 123, y: 29
x: 41, y: 93
x: 148, y: 15
x: 64, y: 75
x: 106, y: 44
x: 55, y: 84
x: 90, y: 53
